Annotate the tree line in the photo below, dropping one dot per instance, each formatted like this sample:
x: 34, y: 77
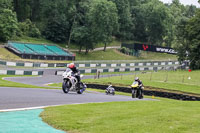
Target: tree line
x: 89, y: 22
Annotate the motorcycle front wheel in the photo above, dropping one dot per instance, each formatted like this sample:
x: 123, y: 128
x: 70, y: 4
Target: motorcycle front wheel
x: 65, y: 86
x: 133, y: 93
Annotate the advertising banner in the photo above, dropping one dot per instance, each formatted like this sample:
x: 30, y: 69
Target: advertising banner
x: 152, y: 48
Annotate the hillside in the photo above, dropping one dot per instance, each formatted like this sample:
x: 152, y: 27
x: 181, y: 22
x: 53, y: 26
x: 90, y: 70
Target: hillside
x: 110, y: 54
x: 113, y: 54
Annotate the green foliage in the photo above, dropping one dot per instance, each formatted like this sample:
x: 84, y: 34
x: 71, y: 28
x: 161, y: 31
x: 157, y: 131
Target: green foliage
x: 155, y: 17
x: 5, y: 4
x: 23, y: 9
x: 193, y: 37
x: 27, y: 28
x: 81, y: 29
x: 181, y: 38
x: 8, y: 24
x: 103, y: 18
x: 123, y: 50
x: 57, y: 29
x: 89, y: 22
x: 126, y: 23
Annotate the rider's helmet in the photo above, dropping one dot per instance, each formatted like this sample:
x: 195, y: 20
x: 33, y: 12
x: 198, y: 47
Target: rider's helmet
x: 71, y: 65
x: 136, y: 79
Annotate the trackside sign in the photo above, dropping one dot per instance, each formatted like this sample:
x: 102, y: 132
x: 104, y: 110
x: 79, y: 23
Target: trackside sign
x: 152, y: 48
x: 166, y: 50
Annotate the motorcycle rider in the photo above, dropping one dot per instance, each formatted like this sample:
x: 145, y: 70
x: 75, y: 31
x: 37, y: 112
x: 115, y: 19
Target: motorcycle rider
x: 140, y: 84
x: 75, y: 71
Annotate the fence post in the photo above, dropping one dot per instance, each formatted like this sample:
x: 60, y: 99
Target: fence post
x: 98, y: 74
x: 151, y: 76
x: 166, y: 78
x: 183, y: 79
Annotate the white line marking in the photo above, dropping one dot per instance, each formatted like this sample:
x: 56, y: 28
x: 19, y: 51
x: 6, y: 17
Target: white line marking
x: 41, y: 107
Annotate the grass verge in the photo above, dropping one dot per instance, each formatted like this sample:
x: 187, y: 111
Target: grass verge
x: 126, y: 117
x: 172, y: 80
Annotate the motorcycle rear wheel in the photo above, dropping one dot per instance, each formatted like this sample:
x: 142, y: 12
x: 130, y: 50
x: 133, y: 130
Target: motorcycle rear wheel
x: 82, y: 88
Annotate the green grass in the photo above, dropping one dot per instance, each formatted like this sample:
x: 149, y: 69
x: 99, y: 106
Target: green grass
x: 5, y: 83
x: 113, y: 54
x: 5, y: 54
x: 172, y: 80
x: 164, y: 116
x: 26, y: 39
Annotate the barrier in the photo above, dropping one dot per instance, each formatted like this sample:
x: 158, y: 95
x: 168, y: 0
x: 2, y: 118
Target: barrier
x: 119, y: 69
x: 20, y: 72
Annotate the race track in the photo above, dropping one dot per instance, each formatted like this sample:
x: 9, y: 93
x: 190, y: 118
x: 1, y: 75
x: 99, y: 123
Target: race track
x: 16, y: 98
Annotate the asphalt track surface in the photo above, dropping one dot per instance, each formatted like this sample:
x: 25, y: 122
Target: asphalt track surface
x: 16, y: 98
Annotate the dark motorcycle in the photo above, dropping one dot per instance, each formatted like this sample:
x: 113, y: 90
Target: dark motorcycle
x: 137, y: 91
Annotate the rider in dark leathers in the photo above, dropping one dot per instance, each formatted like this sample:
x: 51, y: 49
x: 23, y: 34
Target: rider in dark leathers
x: 140, y: 84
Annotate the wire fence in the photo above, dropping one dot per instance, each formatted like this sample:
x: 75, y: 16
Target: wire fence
x: 120, y: 61
x: 164, y: 76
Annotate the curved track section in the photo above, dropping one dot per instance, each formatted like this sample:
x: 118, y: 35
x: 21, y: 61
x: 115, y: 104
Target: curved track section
x: 15, y: 98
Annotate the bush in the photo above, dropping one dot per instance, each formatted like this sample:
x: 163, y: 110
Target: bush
x: 123, y: 50
x: 8, y: 24
x: 27, y: 28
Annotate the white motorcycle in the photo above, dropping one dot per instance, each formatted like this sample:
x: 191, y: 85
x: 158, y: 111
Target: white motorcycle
x: 110, y: 90
x: 70, y: 83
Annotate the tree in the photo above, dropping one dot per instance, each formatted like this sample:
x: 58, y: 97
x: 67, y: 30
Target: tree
x: 8, y: 21
x: 152, y: 21
x: 57, y: 29
x: 104, y: 21
x: 193, y: 37
x: 81, y: 34
x: 27, y: 28
x: 125, y: 21
x: 95, y: 22
x: 6, y: 4
x: 181, y: 38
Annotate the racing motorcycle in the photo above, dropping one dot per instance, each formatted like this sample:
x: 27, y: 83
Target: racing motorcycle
x: 137, y: 91
x: 110, y: 90
x: 70, y: 83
